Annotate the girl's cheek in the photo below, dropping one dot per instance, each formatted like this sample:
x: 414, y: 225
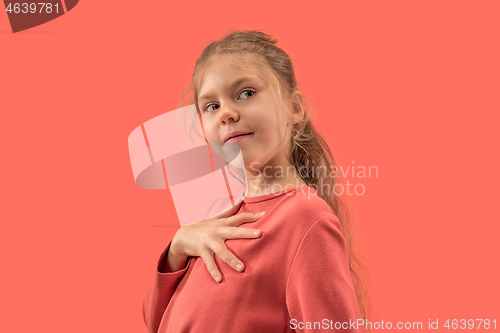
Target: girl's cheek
x: 210, y: 133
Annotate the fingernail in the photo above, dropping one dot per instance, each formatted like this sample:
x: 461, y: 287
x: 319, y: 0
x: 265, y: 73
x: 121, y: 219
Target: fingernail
x: 239, y: 267
x: 217, y: 278
x: 256, y: 232
x: 262, y: 214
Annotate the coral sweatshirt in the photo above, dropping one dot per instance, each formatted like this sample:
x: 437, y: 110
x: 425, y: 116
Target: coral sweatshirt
x: 296, y: 276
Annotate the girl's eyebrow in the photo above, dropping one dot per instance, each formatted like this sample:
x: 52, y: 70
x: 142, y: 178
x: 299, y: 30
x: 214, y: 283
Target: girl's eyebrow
x: 234, y: 84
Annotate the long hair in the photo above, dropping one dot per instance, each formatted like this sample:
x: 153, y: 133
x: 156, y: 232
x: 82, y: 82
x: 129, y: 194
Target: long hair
x: 256, y: 51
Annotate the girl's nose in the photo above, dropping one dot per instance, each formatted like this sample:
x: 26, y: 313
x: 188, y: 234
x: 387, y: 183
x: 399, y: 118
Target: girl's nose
x: 227, y: 114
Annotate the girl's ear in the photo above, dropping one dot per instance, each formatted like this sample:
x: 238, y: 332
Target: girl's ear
x: 298, y: 106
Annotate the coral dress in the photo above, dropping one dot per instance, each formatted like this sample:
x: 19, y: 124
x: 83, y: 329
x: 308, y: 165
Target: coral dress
x: 296, y: 276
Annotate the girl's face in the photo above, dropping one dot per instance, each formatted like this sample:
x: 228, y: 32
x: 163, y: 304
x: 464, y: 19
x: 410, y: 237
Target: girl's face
x: 235, y: 100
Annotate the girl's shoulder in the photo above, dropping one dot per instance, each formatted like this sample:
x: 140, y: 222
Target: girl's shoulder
x: 307, y: 198
x: 297, y: 214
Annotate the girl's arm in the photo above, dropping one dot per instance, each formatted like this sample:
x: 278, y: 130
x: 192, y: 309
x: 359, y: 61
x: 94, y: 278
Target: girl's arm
x: 319, y: 289
x: 212, y: 231
x: 160, y: 292
x: 172, y: 262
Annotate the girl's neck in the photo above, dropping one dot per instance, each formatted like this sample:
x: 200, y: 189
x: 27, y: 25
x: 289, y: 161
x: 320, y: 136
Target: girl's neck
x: 257, y: 186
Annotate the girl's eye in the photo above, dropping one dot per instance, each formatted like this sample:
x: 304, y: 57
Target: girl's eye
x: 248, y: 91
x: 252, y: 93
x: 208, y: 106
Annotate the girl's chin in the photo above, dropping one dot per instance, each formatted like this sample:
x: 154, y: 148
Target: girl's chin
x: 251, y: 164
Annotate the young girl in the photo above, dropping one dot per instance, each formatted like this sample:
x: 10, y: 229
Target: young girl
x: 281, y: 260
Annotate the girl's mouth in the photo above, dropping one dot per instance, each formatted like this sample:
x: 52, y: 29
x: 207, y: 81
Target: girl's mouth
x: 239, y: 137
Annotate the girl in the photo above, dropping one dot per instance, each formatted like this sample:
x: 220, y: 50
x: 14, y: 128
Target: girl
x: 284, y: 259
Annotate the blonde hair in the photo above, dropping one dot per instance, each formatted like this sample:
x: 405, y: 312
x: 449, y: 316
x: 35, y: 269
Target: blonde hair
x: 256, y: 51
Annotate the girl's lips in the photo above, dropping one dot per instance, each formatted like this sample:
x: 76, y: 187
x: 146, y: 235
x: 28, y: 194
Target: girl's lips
x: 239, y: 137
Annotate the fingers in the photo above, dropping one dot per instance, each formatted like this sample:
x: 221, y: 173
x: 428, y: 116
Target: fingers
x: 234, y: 233
x: 241, y: 218
x: 209, y: 261
x: 224, y: 226
x: 222, y: 252
x: 227, y: 256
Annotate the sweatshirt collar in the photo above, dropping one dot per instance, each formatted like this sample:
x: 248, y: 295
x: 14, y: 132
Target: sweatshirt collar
x: 260, y: 198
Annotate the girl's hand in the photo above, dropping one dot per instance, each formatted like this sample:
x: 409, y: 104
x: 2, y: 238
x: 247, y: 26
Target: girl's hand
x: 203, y: 239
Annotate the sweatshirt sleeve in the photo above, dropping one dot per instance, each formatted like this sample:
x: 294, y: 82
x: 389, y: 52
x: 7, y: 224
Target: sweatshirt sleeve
x: 319, y: 289
x: 160, y: 292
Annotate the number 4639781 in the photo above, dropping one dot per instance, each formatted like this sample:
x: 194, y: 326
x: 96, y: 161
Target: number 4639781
x: 32, y: 7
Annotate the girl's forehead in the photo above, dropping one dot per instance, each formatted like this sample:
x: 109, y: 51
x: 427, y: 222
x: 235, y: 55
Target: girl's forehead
x: 222, y: 64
